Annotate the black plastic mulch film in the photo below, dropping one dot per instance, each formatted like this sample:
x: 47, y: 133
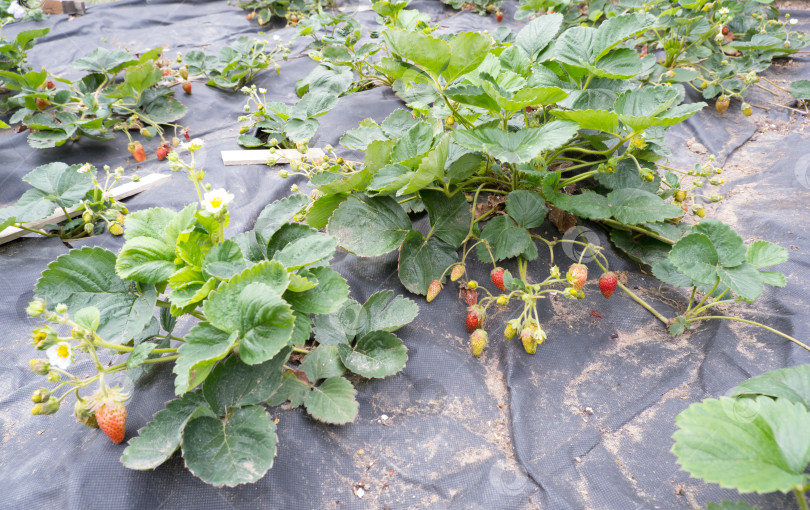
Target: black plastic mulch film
x: 585, y: 423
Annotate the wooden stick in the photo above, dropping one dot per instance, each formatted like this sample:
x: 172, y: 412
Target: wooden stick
x: 119, y: 192
x: 261, y: 157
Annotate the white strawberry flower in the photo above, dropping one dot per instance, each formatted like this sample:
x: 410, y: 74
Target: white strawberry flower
x: 193, y: 145
x: 16, y: 10
x: 215, y: 200
x: 60, y: 355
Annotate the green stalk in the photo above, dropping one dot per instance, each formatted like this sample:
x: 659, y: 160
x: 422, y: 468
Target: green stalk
x: 783, y: 335
x: 800, y: 497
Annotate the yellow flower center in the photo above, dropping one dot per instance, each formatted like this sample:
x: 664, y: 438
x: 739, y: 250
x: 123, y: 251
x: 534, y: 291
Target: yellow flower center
x: 63, y: 351
x: 216, y: 202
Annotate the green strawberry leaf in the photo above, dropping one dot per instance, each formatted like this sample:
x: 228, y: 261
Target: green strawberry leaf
x: 751, y: 445
x: 381, y: 313
x: 158, y: 440
x: 505, y: 239
x: 744, y: 280
x: 239, y: 449
x: 277, y: 214
x: 235, y: 384
x: 423, y: 260
x: 764, y: 254
x: 323, y: 362
x: 527, y: 208
x: 333, y: 401
x: 204, y: 346
x: 369, y: 227
x: 730, y: 505
x: 262, y: 319
x: 517, y: 146
x: 729, y: 245
x: 326, y: 297
x: 695, y: 256
x: 449, y: 217
x: 377, y: 354
x: 535, y: 36
x: 86, y: 277
x: 633, y: 206
x: 792, y: 384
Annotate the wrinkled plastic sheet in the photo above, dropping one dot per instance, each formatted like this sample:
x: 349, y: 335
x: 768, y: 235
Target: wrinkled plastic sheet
x: 585, y: 423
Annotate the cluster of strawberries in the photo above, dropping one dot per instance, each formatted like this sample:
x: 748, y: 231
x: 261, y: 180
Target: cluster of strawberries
x: 531, y: 332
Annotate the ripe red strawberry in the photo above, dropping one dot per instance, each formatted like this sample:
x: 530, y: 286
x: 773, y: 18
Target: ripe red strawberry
x: 42, y: 103
x: 50, y: 84
x: 475, y: 318
x: 478, y: 340
x: 187, y: 87
x: 497, y: 278
x: 111, y: 417
x: 161, y: 153
x: 433, y: 290
x: 167, y: 71
x: 577, y: 275
x: 499, y: 17
x: 725, y: 30
x: 136, y: 149
x: 186, y: 135
x: 607, y: 284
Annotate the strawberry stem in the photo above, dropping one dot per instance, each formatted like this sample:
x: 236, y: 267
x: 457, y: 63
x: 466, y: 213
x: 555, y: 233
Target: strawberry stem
x: 746, y: 321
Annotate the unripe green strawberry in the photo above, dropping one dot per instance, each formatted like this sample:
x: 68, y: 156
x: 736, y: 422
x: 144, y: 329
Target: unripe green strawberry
x: 472, y: 284
x: 497, y: 278
x: 116, y: 229
x: 608, y: 283
x: 433, y: 290
x: 84, y: 414
x: 50, y: 406
x: 40, y: 395
x: 722, y: 104
x: 577, y: 275
x: 87, y: 217
x: 502, y: 300
x: 40, y: 366
x: 511, y: 329
x: 680, y: 195
x: 457, y: 272
x: 529, y: 345
x: 745, y: 108
x: 478, y: 340
x: 701, y: 212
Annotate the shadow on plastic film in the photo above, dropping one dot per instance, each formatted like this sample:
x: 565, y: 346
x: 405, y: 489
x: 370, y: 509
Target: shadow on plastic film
x: 801, y: 170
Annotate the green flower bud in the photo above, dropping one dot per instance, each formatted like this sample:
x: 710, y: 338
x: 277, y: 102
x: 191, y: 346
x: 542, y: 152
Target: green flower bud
x: 36, y: 307
x: 40, y: 366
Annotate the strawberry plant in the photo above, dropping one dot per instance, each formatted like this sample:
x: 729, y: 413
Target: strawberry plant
x: 98, y: 104
x: 714, y: 47
x: 263, y: 11
x: 509, y: 128
x: 274, y: 124
x: 238, y: 63
x: 755, y: 440
x: 252, y: 298
x: 74, y: 190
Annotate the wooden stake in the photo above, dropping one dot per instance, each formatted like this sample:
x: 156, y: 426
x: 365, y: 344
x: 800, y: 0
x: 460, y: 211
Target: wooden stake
x: 63, y: 7
x: 261, y: 157
x: 119, y: 192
